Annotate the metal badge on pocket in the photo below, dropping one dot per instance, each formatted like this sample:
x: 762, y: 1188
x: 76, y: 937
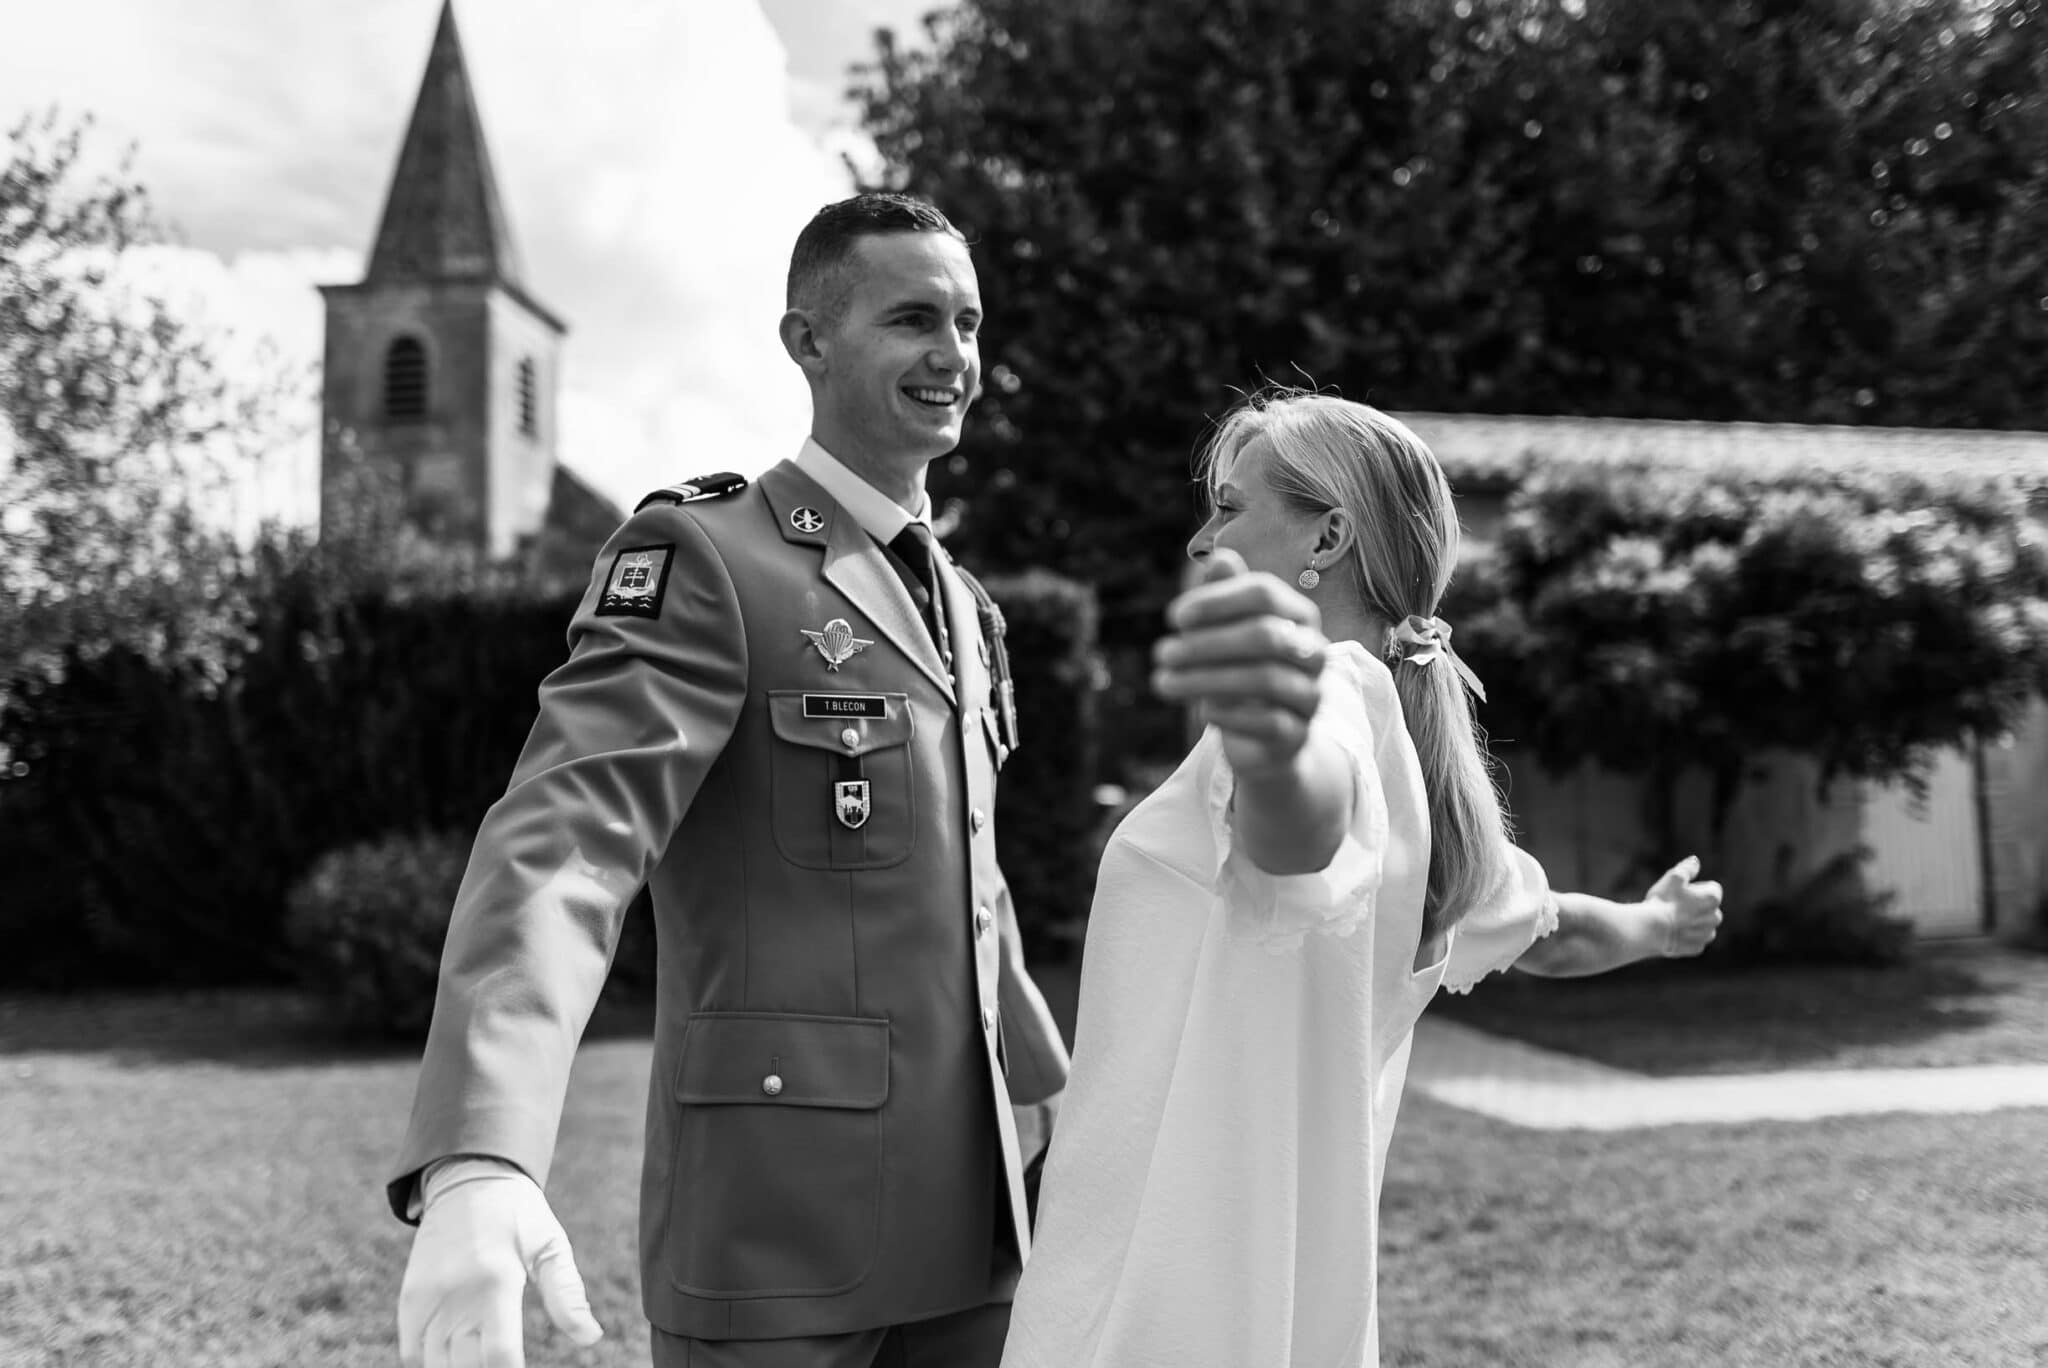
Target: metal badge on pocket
x: 850, y: 803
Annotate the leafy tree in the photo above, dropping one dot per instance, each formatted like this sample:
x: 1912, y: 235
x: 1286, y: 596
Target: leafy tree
x: 1793, y: 210
x: 1168, y: 200
x: 1952, y: 148
x: 1842, y: 222
x: 117, y: 426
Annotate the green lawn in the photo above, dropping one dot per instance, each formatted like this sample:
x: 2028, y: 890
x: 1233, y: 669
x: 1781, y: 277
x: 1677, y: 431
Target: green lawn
x: 1968, y: 1003
x: 1903, y: 1241
x: 198, y: 1181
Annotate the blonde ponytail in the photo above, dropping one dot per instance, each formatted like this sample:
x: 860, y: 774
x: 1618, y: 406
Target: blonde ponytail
x: 1468, y: 826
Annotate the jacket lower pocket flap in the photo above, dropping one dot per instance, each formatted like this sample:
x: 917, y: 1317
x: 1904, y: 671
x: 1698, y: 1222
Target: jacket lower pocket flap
x: 825, y: 718
x: 782, y: 1060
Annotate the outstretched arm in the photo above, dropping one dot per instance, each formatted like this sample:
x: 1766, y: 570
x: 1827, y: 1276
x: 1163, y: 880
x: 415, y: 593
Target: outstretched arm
x: 627, y: 727
x: 1676, y: 918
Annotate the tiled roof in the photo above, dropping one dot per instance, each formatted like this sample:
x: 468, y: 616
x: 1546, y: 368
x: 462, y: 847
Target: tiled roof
x: 1479, y: 448
x: 442, y: 218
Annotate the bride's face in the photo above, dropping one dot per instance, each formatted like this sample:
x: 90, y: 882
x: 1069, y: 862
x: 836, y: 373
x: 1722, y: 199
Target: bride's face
x: 1249, y: 518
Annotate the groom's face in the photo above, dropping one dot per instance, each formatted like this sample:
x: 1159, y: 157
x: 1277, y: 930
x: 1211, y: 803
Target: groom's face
x: 902, y: 356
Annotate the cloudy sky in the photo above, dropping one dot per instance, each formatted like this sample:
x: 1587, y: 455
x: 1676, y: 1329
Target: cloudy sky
x: 656, y: 158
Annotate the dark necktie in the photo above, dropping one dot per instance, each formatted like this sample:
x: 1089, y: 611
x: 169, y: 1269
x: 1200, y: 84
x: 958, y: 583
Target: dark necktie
x: 914, y: 547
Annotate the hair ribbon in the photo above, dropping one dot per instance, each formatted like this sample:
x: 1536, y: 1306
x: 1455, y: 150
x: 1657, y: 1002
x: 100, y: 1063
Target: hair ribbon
x: 1426, y: 640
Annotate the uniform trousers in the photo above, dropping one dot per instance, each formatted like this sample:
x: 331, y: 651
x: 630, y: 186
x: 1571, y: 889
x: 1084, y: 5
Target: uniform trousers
x: 965, y: 1339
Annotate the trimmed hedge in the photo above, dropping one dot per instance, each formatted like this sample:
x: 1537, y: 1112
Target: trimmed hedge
x: 1862, y: 617
x: 1046, y: 811
x: 159, y: 821
x: 1656, y: 619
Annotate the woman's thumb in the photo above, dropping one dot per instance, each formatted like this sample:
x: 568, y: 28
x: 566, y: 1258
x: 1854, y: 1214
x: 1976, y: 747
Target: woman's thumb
x: 1677, y: 876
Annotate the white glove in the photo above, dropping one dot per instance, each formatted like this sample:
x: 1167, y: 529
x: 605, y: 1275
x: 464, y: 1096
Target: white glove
x: 484, y: 1231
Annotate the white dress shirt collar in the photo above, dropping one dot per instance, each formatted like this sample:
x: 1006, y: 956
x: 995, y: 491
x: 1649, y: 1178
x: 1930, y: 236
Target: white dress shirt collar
x: 880, y: 516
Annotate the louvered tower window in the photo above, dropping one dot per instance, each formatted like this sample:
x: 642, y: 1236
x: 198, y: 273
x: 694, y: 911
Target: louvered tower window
x: 529, y: 399
x: 405, y: 381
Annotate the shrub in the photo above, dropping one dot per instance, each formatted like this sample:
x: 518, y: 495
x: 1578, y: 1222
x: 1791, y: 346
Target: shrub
x: 40, y: 916
x: 163, y: 814
x: 159, y: 818
x: 1656, y: 619
x: 1828, y: 917
x: 1046, y: 810
x: 366, y: 925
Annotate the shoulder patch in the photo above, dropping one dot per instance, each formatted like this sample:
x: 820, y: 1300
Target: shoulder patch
x: 638, y: 579
x: 702, y: 487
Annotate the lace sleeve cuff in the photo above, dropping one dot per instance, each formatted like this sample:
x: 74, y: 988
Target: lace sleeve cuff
x: 1492, y: 938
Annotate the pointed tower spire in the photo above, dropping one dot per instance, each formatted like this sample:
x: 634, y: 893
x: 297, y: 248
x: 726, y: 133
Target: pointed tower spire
x: 442, y: 218
x: 441, y: 370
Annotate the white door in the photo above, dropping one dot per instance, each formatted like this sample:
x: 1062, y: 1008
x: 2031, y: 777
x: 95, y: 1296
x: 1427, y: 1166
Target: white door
x: 1931, y: 854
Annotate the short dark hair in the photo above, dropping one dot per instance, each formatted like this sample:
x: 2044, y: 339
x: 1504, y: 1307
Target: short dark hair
x: 817, y: 276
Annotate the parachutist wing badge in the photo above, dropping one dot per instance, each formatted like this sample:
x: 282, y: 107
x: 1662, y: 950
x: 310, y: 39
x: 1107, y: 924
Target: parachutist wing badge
x: 836, y: 642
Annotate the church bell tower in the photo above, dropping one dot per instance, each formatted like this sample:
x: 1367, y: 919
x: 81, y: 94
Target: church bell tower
x: 441, y: 369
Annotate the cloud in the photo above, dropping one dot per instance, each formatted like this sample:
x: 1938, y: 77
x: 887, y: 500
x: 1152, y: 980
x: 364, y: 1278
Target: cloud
x: 645, y: 150
x: 663, y: 174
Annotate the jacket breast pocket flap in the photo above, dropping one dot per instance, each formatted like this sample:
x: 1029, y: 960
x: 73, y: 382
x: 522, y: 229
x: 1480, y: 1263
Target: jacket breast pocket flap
x: 841, y: 781
x: 823, y: 719
x: 776, y: 1059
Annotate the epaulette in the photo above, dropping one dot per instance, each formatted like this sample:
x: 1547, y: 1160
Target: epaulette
x: 702, y: 487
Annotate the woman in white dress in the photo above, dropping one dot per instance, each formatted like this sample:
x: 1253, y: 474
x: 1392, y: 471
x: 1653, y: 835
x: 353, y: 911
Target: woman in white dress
x: 1270, y: 922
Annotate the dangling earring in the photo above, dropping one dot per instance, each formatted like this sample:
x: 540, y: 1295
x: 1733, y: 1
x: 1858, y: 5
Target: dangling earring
x: 1309, y: 578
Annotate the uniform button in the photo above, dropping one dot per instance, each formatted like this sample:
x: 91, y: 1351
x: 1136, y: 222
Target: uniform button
x: 849, y: 738
x: 983, y: 920
x: 772, y: 1084
x: 977, y: 819
x: 988, y: 1018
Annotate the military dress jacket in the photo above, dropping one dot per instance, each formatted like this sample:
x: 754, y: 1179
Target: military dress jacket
x: 754, y: 721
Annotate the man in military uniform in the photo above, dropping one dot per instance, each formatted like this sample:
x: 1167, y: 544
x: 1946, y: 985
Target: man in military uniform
x: 784, y: 709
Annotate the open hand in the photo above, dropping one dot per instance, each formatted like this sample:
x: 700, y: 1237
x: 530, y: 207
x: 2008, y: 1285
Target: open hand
x: 1247, y: 651
x: 1690, y: 910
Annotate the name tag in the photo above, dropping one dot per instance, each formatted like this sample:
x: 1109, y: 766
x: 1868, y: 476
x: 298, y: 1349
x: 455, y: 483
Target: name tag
x: 845, y: 705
